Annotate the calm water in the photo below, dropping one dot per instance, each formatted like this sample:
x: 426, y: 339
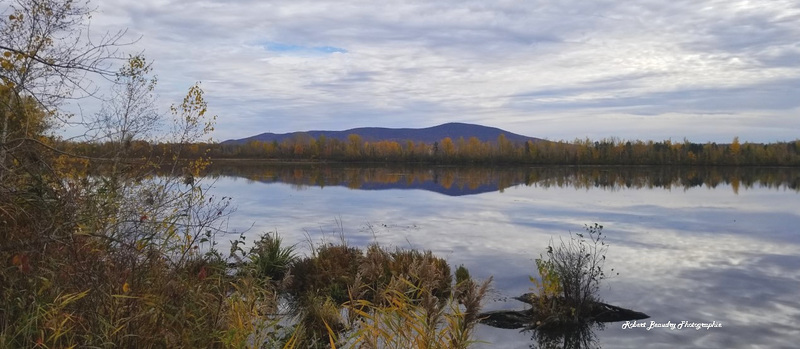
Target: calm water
x: 697, y: 245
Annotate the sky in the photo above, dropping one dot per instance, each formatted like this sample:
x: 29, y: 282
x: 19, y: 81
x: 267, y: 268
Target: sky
x: 706, y: 71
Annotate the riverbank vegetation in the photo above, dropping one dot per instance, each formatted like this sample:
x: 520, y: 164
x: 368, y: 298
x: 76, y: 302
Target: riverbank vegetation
x: 99, y: 294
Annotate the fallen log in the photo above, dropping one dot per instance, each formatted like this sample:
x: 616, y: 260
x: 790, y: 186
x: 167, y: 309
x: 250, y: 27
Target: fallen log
x: 529, y: 318
x: 508, y: 319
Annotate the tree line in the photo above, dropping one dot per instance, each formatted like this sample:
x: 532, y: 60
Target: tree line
x: 609, y: 151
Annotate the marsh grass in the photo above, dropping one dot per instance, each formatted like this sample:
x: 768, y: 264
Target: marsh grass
x: 348, y: 297
x: 94, y: 292
x: 410, y: 316
x: 92, y: 300
x: 270, y: 258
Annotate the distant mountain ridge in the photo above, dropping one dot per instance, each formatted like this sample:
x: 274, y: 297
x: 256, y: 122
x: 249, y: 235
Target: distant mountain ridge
x: 454, y: 130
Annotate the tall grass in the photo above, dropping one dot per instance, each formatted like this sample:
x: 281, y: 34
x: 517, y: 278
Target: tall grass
x: 270, y: 258
x: 412, y: 317
x: 383, y: 298
x: 90, y: 292
x: 85, y: 294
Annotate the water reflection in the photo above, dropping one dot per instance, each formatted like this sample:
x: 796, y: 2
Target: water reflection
x: 567, y: 335
x: 576, y: 337
x: 457, y: 181
x: 697, y: 252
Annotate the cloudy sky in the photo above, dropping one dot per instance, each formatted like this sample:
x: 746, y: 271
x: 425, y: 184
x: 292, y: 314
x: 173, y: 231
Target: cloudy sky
x: 656, y: 69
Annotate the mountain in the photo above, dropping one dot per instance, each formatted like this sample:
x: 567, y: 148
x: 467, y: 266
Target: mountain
x: 454, y: 130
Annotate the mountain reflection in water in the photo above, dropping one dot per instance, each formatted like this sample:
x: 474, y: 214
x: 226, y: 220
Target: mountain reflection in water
x: 458, y: 181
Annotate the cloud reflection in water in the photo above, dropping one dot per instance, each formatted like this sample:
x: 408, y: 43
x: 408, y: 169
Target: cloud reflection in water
x: 699, y: 253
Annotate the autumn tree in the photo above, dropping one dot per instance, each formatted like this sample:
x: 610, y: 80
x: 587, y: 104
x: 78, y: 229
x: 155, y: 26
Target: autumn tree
x: 505, y: 148
x: 321, y: 149
x: 46, y: 57
x: 354, y: 146
x: 447, y: 147
x: 735, y: 147
x: 80, y: 244
x: 128, y: 116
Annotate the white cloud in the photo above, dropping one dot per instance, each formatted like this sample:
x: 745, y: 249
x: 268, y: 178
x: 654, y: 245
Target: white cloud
x: 538, y: 67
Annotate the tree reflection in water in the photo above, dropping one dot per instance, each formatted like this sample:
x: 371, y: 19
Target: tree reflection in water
x: 567, y: 337
x: 467, y: 180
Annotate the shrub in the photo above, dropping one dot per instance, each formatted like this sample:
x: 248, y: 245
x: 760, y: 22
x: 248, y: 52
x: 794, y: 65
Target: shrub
x: 570, y: 278
x: 328, y: 273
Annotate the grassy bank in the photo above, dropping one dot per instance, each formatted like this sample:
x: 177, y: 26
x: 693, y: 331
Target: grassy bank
x: 92, y: 292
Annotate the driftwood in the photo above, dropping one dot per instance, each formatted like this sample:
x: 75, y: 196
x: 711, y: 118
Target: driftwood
x: 527, y: 319
x: 508, y: 319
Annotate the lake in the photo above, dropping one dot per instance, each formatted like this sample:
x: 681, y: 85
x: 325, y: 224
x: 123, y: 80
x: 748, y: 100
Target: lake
x: 690, y: 244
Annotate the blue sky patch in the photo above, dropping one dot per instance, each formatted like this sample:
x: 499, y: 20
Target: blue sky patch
x: 288, y: 48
